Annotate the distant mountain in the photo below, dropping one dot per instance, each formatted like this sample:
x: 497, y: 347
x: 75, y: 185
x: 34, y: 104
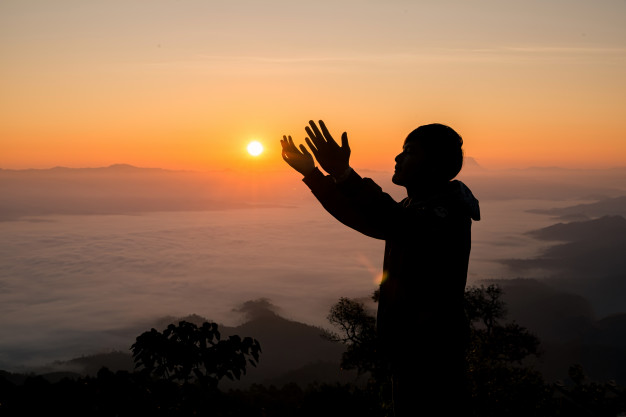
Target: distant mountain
x: 292, y: 348
x: 591, y: 248
x: 608, y: 206
x: 589, y: 260
x: 568, y: 327
x: 291, y: 351
x: 121, y: 189
x: 471, y: 163
x: 553, y: 314
x: 607, y: 227
x: 115, y: 168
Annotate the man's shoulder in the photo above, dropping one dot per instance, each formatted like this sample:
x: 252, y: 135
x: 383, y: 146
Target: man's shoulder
x: 438, y: 208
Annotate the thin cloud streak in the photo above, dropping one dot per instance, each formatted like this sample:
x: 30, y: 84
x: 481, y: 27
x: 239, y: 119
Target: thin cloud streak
x: 505, y: 54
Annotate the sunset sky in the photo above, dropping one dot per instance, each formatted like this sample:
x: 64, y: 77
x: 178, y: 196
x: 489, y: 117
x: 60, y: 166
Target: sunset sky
x: 188, y: 84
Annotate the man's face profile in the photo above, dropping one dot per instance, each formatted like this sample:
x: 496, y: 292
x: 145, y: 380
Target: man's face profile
x: 410, y: 164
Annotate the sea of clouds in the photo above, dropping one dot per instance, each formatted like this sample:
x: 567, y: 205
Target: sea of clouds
x: 68, y: 282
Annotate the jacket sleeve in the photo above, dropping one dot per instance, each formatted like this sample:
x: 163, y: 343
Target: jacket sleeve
x: 360, y: 204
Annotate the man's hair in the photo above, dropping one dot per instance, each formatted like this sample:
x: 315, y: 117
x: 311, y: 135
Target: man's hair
x: 443, y: 148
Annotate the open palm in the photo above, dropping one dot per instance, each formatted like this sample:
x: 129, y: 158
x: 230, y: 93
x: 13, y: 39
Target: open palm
x: 333, y: 158
x: 299, y: 159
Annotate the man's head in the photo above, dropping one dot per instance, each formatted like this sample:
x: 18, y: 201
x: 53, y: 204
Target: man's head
x: 431, y: 153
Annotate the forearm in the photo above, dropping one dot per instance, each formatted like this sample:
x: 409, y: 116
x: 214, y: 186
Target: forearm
x: 366, y: 200
x: 340, y: 206
x: 366, y: 193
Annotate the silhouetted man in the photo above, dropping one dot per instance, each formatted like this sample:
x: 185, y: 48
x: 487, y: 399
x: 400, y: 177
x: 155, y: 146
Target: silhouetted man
x: 421, y: 323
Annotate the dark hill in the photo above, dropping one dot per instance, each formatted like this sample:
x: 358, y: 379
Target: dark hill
x: 292, y: 348
x: 591, y: 250
x: 291, y: 351
x: 568, y: 329
x: 611, y: 227
x: 553, y: 314
x: 609, y: 206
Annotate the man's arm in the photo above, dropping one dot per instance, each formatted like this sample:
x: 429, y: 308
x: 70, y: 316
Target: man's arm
x: 365, y: 208
x: 345, y: 209
x: 325, y: 188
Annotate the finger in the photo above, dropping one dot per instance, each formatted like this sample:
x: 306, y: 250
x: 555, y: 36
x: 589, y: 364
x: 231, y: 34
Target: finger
x: 305, y: 151
x: 292, y: 146
x: 344, y: 141
x: 316, y: 130
x: 326, y: 133
x: 313, y: 148
x: 317, y: 139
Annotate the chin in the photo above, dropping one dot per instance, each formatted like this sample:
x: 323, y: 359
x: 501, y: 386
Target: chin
x: 397, y: 179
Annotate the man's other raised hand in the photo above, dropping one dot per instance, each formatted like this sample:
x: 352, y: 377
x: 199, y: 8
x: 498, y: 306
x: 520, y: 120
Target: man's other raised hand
x: 333, y: 158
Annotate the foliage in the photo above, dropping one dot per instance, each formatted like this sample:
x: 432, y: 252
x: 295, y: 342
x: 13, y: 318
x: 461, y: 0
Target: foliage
x: 493, y: 342
x: 357, y: 330
x: 136, y: 394
x: 356, y: 325
x: 484, y: 305
x: 500, y: 382
x: 589, y: 398
x: 186, y: 352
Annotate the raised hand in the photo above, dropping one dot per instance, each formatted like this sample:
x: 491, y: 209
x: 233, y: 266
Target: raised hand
x: 299, y: 159
x: 333, y: 158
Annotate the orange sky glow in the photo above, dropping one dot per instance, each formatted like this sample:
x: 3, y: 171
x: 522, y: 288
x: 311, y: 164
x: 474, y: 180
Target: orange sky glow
x: 188, y: 84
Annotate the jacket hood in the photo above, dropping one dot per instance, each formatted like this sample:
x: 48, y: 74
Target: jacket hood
x: 467, y: 199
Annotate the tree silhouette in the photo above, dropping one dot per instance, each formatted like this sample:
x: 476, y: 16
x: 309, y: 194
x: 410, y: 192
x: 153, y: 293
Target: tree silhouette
x: 483, y: 304
x: 501, y: 383
x: 492, y: 340
x: 357, y: 330
x: 186, y: 352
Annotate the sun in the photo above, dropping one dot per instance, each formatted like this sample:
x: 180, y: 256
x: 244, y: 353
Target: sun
x: 255, y: 148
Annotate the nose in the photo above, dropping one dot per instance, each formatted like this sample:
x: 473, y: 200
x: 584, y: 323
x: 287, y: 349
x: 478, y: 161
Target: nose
x: 398, y: 157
